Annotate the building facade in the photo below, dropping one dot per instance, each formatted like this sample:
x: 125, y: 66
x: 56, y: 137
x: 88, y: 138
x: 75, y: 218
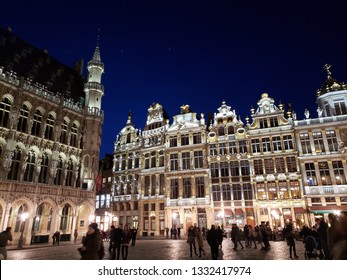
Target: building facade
x: 48, y: 116
x: 322, y: 147
x: 273, y: 168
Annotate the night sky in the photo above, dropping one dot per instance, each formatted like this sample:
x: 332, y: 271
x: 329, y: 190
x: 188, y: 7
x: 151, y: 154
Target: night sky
x: 191, y: 52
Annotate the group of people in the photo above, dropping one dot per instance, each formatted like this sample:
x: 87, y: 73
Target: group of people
x: 326, y: 242
x: 175, y: 233
x: 119, y: 241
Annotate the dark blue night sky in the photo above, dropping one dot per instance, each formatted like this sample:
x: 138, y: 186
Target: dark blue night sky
x: 191, y: 52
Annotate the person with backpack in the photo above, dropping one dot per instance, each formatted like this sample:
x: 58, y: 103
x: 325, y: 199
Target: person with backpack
x: 5, y: 236
x: 92, y: 245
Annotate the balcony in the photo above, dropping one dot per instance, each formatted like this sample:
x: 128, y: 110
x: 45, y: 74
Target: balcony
x: 325, y: 190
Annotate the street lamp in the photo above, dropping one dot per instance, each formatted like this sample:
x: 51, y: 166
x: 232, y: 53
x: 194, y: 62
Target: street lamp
x: 23, y: 217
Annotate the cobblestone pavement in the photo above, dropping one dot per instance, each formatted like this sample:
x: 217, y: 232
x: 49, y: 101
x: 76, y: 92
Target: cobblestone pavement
x: 158, y: 249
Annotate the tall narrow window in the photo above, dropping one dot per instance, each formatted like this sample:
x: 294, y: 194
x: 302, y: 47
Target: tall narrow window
x: 280, y: 168
x: 214, y: 170
x: 222, y: 149
x: 288, y: 142
x: 161, y: 184
x: 174, y: 189
x: 30, y: 167
x: 35, y: 130
x: 59, y: 175
x: 5, y: 108
x: 339, y: 172
x: 23, y: 119
x: 232, y: 148
x: 324, y: 173
x: 276, y: 143
x: 153, y: 159
x: 147, y: 185
x: 266, y: 144
x: 231, y: 129
x: 187, y: 188
x: 258, y: 167
x: 200, y: 186
x: 332, y: 141
x: 14, y: 171
x: 186, y: 160
x: 173, y: 141
x: 174, y: 161
x: 247, y: 191
x: 226, y: 192
x: 44, y: 169
x: 197, y: 138
x: 305, y: 143
x: 69, y: 173
x: 64, y: 217
x: 221, y: 131
x: 340, y: 107
x: 234, y: 168
x: 161, y: 159
x: 216, y: 193
x: 185, y: 140
x: 243, y: 147
x: 198, y: 159
x: 73, y: 133
x: 49, y: 127
x: 291, y: 164
x: 244, y: 164
x: 20, y: 222
x: 311, y: 174
x: 237, y: 193
x: 269, y: 166
x: 255, y: 146
x: 63, y: 133
x: 224, y: 169
x: 318, y: 142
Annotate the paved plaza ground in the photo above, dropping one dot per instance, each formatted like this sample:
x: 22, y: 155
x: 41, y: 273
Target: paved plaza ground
x: 156, y: 249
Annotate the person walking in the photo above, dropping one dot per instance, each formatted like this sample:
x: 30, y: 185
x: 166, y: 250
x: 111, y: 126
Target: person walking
x: 125, y: 242
x: 220, y: 237
x: 246, y: 232
x: 167, y: 232
x: 212, y: 240
x: 109, y: 237
x: 252, y: 237
x: 5, y: 236
x: 322, y: 229
x: 179, y: 233
x: 116, y: 239
x: 75, y: 235
x: 191, y: 241
x: 91, y: 244
x: 289, y: 236
x: 133, y: 236
x: 235, y: 236
x: 200, y: 241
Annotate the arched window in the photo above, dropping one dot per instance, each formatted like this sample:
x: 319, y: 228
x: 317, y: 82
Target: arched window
x: 49, y: 127
x: 64, y: 217
x: 73, y: 134
x: 44, y: 169
x: 153, y: 159
x: 58, y: 178
x: 5, y: 108
x: 20, y: 221
x: 14, y: 172
x: 69, y: 173
x: 37, y: 218
x: 128, y: 138
x: 221, y: 131
x: 23, y: 119
x: 35, y: 130
x: 231, y: 129
x: 30, y: 166
x: 63, y: 133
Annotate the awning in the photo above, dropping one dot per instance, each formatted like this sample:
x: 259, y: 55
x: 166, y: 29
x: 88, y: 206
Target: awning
x: 238, y: 211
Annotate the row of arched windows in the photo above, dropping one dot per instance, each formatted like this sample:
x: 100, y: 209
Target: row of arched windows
x: 38, y: 124
x: 30, y: 163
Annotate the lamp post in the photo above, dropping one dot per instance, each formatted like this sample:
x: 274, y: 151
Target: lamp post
x: 23, y: 218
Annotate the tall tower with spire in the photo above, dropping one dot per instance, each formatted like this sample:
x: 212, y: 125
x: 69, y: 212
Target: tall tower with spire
x: 93, y: 88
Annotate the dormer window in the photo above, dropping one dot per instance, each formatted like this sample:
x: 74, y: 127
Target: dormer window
x: 340, y: 108
x: 273, y: 122
x: 263, y: 123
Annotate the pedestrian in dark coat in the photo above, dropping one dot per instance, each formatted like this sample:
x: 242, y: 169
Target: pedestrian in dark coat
x: 133, y: 236
x: 322, y: 229
x: 200, y: 241
x: 4, y: 237
x: 212, y: 240
x: 289, y: 235
x: 191, y: 241
x: 125, y: 242
x: 92, y: 243
x: 116, y: 239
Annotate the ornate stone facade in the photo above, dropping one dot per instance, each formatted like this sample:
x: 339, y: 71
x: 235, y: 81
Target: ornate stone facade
x: 49, y: 145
